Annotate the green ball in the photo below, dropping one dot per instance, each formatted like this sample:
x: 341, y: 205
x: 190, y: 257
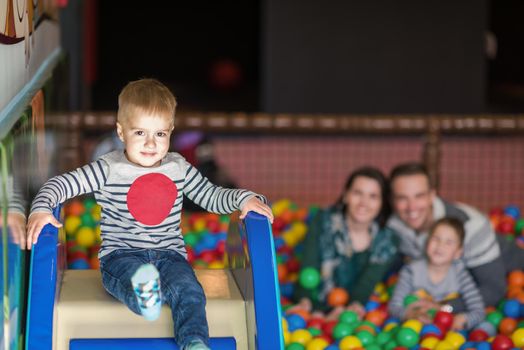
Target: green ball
x: 407, y: 337
x: 309, y: 278
x: 390, y: 345
x: 314, y: 331
x: 342, y: 330
x: 373, y: 347
x: 191, y: 239
x: 89, y: 203
x: 519, y: 226
x: 87, y: 220
x: 365, y: 337
x: 383, y: 337
x: 409, y: 299
x: 295, y: 346
x: 494, y: 318
x: 350, y: 317
x: 432, y: 312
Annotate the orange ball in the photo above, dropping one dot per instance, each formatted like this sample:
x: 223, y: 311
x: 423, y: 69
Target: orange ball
x: 507, y: 326
x: 301, y: 312
x: 281, y: 272
x: 74, y: 207
x: 338, y: 297
x: 516, y: 278
x: 377, y: 317
x: 94, y: 263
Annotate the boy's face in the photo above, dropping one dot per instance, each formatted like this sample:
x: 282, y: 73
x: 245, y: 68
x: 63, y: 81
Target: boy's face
x: 146, y: 139
x: 412, y: 200
x: 443, y: 246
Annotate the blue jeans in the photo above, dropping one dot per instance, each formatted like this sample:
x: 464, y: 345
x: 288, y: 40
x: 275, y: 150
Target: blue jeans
x: 180, y: 288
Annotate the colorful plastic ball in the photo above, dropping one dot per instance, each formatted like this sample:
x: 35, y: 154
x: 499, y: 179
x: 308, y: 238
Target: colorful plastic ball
x: 516, y: 278
x: 365, y: 337
x: 483, y: 345
x: 443, y: 319
x: 429, y: 342
x: 518, y: 338
x: 478, y: 335
x: 337, y: 297
x: 349, y: 343
x: 295, y: 322
x: 519, y: 226
x: 332, y: 347
x: 309, y: 278
x: 467, y: 345
x: 431, y: 329
x: 507, y: 325
x: 74, y: 208
x: 349, y: 317
x: 342, y: 330
x: 371, y: 305
x: 513, y: 211
x: 377, y: 317
x: 444, y: 345
x: 494, y: 318
x: 373, y: 347
x: 301, y: 336
x: 410, y: 298
x: 383, y: 337
x: 407, y: 337
x: 512, y: 308
x: 455, y: 339
x: 85, y: 237
x: 79, y: 264
x: 71, y: 224
x: 501, y: 342
x: 317, y: 344
x: 295, y: 346
x: 413, y: 324
x: 487, y: 327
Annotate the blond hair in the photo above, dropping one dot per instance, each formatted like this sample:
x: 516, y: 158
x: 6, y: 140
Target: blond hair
x: 146, y: 96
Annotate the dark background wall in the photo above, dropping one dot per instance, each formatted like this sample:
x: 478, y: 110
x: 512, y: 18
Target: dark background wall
x: 303, y: 56
x: 374, y: 56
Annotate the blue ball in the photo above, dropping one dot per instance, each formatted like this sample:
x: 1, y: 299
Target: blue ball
x: 208, y: 242
x: 295, y: 322
x: 430, y: 328
x: 467, y: 345
x: 371, y: 305
x: 286, y: 289
x: 79, y: 264
x: 512, y: 308
x: 279, y: 242
x: 331, y: 347
x: 513, y: 211
x: 483, y: 345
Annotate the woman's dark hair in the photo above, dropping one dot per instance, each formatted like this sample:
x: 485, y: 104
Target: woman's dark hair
x: 378, y: 176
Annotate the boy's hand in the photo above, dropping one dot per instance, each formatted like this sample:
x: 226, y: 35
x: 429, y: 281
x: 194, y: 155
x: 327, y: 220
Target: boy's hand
x: 459, y: 322
x: 16, y: 223
x: 36, y: 223
x: 256, y: 205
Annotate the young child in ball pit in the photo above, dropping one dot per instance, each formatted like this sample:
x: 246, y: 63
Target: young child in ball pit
x: 140, y: 189
x: 438, y: 277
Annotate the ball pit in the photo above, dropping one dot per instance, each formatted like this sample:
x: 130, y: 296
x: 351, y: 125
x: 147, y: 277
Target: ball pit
x: 205, y: 236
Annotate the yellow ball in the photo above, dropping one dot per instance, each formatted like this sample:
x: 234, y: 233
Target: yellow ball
x: 390, y: 326
x: 216, y: 265
x: 200, y: 224
x: 85, y: 237
x: 444, y: 345
x: 429, y: 342
x: 350, y: 342
x: 98, y: 233
x: 301, y: 336
x: 415, y: 325
x: 284, y: 324
x: 317, y: 344
x: 518, y: 337
x: 454, y: 338
x: 380, y: 288
x: 71, y: 224
x: 96, y: 212
x: 287, y: 337
x: 279, y: 206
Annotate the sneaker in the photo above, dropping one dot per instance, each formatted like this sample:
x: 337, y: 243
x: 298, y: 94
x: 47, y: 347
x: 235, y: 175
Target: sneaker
x: 196, y: 345
x: 146, y: 285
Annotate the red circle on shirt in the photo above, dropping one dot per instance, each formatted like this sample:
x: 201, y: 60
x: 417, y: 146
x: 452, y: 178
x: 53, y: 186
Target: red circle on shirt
x: 151, y: 197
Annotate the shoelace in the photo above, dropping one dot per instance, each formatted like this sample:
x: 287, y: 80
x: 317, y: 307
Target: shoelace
x: 148, y: 293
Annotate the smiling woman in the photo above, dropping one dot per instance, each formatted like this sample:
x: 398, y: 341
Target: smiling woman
x: 348, y: 243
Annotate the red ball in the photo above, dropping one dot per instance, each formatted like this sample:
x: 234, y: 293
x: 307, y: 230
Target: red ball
x: 208, y: 256
x: 315, y: 322
x: 328, y: 326
x: 293, y: 265
x: 443, y: 319
x: 501, y: 342
x: 478, y: 335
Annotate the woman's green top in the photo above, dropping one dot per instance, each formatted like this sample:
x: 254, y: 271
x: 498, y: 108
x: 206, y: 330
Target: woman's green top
x: 328, y: 248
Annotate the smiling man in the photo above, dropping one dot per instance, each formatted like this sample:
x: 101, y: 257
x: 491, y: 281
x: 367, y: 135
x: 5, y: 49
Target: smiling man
x: 416, y: 207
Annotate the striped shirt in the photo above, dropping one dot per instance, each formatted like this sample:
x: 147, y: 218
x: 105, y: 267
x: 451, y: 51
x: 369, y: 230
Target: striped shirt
x: 480, y: 243
x: 414, y: 277
x: 141, y: 207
